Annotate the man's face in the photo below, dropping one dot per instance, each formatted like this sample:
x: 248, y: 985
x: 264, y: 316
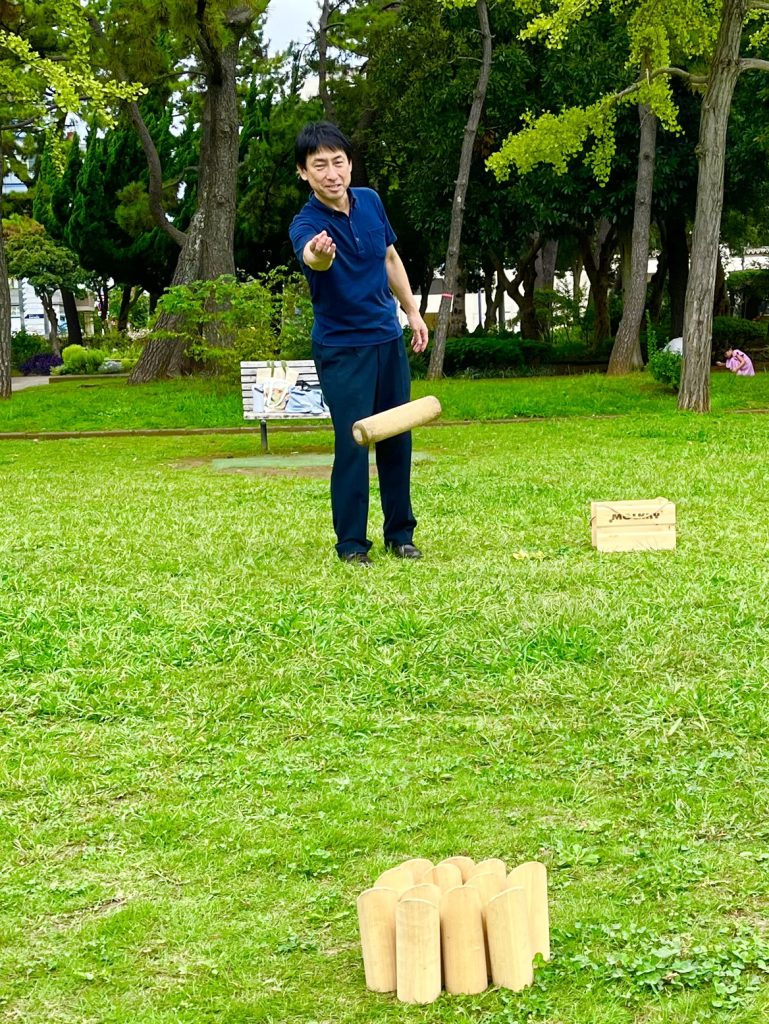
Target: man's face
x: 328, y: 174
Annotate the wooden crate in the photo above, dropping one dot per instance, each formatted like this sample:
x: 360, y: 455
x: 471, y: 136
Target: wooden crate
x: 633, y: 525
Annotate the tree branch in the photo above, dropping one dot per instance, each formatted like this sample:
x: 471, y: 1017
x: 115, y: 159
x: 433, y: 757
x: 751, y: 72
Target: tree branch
x: 754, y: 63
x: 156, y: 176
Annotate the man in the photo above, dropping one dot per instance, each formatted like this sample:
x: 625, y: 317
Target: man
x: 345, y: 246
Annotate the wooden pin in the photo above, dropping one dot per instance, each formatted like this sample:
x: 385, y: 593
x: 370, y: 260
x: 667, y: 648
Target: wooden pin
x: 417, y: 951
x: 423, y: 891
x: 417, y: 866
x: 463, y: 942
x: 376, y: 917
x: 488, y: 884
x: 493, y: 865
x: 532, y: 877
x: 400, y: 879
x: 445, y: 876
x: 465, y: 865
x: 507, y: 928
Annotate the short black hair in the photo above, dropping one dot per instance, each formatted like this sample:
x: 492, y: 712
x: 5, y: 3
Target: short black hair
x: 320, y: 135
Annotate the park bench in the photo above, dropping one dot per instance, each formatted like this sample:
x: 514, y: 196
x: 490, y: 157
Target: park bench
x: 305, y: 370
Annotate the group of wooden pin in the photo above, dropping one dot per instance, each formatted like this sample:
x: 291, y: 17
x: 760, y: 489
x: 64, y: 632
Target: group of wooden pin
x: 453, y: 925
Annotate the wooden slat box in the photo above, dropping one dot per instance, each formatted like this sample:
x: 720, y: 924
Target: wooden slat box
x: 634, y: 525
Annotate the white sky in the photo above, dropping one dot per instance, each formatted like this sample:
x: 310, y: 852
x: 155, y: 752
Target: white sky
x: 287, y: 21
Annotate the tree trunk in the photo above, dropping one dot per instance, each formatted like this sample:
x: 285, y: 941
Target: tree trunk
x: 657, y: 287
x: 208, y: 247
x: 597, y: 255
x: 500, y: 303
x: 321, y: 42
x: 435, y: 368
x: 125, y: 306
x: 531, y: 328
x: 53, y: 323
x: 626, y: 351
x: 458, y: 321
x: 676, y: 244
x: 694, y: 394
x: 74, y: 330
x: 721, y: 305
x: 5, y: 304
x: 490, y: 312
x: 545, y: 264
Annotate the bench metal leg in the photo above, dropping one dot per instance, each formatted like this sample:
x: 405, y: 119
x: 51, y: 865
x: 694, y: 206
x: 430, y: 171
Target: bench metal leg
x: 263, y: 425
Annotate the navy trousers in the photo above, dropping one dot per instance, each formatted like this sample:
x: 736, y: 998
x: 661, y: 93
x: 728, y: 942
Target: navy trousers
x: 359, y: 381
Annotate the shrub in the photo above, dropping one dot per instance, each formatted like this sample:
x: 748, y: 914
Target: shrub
x: 24, y: 346
x: 664, y: 367
x: 734, y: 331
x: 225, y: 321
x: 78, y: 359
x: 41, y: 365
x: 484, y: 354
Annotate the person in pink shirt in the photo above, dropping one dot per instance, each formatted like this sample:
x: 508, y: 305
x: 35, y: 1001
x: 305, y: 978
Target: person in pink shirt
x: 738, y: 363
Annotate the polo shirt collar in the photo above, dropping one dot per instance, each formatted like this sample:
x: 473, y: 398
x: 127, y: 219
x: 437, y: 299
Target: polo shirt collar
x: 318, y: 205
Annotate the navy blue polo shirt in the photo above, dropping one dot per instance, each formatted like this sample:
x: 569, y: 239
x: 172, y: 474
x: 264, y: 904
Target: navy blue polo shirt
x: 351, y: 300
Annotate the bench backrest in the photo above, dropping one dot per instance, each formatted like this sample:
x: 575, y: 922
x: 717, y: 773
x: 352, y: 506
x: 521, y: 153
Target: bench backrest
x: 305, y: 368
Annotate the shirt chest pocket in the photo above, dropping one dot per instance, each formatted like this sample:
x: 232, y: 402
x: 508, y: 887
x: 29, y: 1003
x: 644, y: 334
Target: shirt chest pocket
x: 375, y: 243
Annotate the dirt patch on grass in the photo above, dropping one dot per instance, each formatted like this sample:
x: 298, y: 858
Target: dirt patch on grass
x: 315, y: 464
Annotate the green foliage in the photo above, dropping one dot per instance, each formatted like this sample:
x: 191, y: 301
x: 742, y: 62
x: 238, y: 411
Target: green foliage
x: 226, y: 321
x: 34, y: 255
x: 556, y: 139
x: 656, y: 34
x: 664, y: 367
x: 750, y: 286
x: 108, y: 222
x: 733, y: 330
x: 561, y: 315
x: 45, y: 64
x: 25, y: 345
x: 78, y: 359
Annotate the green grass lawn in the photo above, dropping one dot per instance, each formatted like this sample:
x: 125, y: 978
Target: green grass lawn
x: 213, y: 735
x: 114, y: 405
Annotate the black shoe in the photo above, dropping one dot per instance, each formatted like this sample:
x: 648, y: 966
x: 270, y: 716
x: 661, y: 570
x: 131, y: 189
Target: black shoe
x: 403, y: 550
x: 357, y: 558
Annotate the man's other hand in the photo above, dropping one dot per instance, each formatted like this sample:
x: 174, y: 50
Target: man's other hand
x: 420, y: 334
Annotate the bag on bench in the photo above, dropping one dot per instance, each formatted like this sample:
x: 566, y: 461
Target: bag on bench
x: 306, y: 400
x: 273, y: 384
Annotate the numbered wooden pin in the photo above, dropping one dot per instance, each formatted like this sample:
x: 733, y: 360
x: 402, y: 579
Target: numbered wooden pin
x: 507, y: 929
x: 532, y: 877
x: 463, y: 942
x: 418, y: 951
x: 376, y: 917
